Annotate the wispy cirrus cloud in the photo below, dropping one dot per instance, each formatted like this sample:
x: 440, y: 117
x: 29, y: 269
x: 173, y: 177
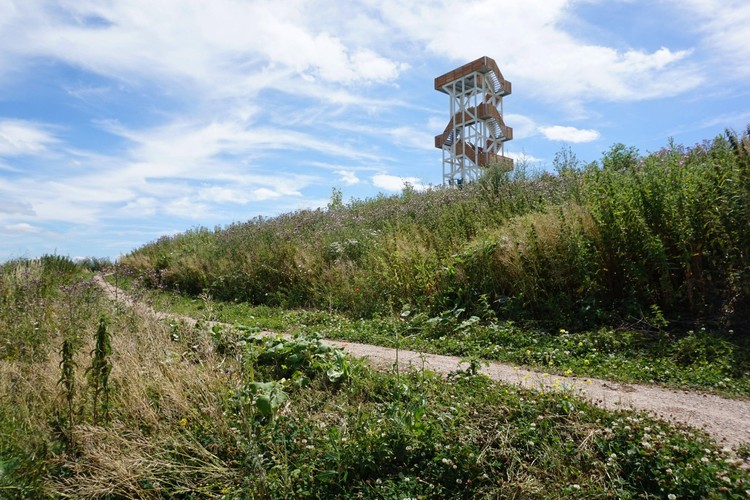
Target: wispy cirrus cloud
x: 724, y: 26
x: 23, y: 138
x: 540, y: 54
x: 22, y: 227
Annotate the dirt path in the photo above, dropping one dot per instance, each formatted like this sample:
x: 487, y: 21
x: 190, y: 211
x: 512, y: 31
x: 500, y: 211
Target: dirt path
x: 727, y: 420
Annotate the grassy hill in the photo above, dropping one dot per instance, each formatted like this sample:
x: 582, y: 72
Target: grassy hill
x: 656, y: 237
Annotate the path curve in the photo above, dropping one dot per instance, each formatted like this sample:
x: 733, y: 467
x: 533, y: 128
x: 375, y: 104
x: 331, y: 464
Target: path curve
x: 727, y: 420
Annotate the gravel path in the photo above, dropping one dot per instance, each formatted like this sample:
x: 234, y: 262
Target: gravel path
x: 727, y: 420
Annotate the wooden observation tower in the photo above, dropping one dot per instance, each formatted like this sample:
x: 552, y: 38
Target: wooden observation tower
x: 476, y: 133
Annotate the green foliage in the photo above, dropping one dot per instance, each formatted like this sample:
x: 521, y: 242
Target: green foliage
x: 587, y: 246
x: 231, y: 413
x: 68, y: 382
x: 717, y: 360
x: 467, y: 437
x: 98, y: 374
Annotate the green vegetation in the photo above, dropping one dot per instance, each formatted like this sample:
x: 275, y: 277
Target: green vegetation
x: 698, y: 359
x: 634, y: 268
x: 629, y: 238
x: 193, y: 412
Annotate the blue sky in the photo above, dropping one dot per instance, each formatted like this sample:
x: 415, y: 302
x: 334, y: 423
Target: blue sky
x: 121, y: 121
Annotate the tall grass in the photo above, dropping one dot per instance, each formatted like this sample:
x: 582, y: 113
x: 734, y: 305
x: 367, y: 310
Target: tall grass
x: 629, y: 236
x: 227, y: 413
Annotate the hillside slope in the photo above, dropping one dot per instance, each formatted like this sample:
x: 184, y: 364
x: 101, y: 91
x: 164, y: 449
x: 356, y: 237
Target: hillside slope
x: 662, y: 236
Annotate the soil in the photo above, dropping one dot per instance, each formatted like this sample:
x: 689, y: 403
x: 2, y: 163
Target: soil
x: 726, y: 420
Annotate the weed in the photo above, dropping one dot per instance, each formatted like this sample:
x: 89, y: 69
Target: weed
x: 98, y: 374
x: 68, y: 382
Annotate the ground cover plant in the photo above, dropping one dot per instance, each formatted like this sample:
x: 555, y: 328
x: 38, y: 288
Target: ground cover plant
x: 137, y: 407
x: 710, y: 360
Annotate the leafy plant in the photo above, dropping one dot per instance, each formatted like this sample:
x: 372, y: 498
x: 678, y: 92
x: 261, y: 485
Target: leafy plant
x: 98, y: 374
x: 68, y: 382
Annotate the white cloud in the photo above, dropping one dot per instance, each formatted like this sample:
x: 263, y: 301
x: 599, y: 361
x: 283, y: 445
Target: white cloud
x: 21, y: 227
x: 348, y: 177
x: 532, y: 47
x: 212, y: 45
x: 417, y: 138
x: 438, y: 123
x: 238, y: 97
x: 569, y: 134
x: 724, y: 24
x: 187, y: 208
x: 218, y: 194
x: 19, y: 138
x: 740, y: 118
x: 12, y: 207
x: 522, y: 157
x: 523, y: 126
x: 140, y: 207
x: 395, y: 183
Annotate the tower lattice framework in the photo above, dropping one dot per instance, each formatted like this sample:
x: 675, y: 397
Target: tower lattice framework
x: 476, y: 134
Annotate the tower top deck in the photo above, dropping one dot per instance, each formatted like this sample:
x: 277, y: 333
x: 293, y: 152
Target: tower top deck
x: 484, y: 65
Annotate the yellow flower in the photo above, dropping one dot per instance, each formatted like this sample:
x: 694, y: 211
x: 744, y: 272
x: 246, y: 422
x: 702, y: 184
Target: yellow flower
x: 183, y: 422
x: 568, y: 372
